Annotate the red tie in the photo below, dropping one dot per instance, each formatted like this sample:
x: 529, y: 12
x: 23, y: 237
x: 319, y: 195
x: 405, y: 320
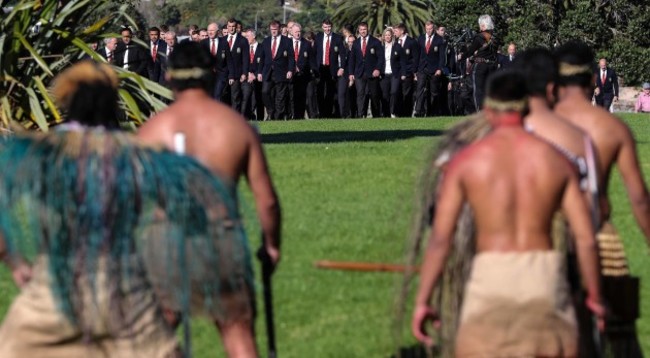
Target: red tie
x: 400, y: 42
x: 230, y: 41
x: 428, y: 44
x: 363, y: 46
x: 296, y: 51
x: 252, y: 54
x: 273, y: 48
x: 327, y: 51
x: 110, y: 57
x: 213, y: 48
x: 154, y: 52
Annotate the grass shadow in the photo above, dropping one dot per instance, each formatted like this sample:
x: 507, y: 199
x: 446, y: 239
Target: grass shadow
x: 416, y: 351
x: 307, y: 137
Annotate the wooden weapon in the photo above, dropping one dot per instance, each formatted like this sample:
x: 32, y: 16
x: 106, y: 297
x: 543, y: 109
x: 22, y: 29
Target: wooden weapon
x: 364, y: 266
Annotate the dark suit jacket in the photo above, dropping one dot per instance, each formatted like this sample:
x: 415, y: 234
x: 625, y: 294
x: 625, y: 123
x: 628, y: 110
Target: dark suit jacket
x: 337, y: 48
x: 137, y: 58
x: 102, y: 52
x: 436, y: 58
x: 397, y: 61
x: 276, y: 68
x: 363, y: 66
x: 223, y: 64
x: 306, y: 58
x: 611, y: 82
x: 411, y: 55
x: 257, y: 58
x: 240, y: 55
x: 153, y: 67
x: 504, y: 61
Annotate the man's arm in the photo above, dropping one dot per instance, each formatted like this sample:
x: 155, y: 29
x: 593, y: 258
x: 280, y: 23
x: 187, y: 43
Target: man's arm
x: 448, y: 209
x: 266, y: 200
x: 575, y: 208
x: 628, y: 163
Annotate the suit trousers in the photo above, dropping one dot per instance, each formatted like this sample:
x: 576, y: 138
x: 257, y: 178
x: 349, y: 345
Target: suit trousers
x: 312, y: 98
x: 428, y: 88
x: 368, y: 89
x: 274, y: 95
x: 480, y: 73
x: 343, y: 97
x: 326, y: 90
x: 390, y: 88
x: 406, y: 105
x: 299, y: 84
x: 236, y: 96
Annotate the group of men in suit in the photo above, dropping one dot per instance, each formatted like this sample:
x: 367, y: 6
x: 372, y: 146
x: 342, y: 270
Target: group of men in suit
x: 292, y: 75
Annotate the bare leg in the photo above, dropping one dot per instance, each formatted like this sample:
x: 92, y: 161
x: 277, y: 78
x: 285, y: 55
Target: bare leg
x: 238, y: 339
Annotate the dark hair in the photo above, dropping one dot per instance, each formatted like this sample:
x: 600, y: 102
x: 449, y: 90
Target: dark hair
x: 539, y: 69
x: 364, y: 24
x: 506, y: 85
x: 232, y: 20
x: 154, y: 29
x: 309, y: 35
x: 576, y: 53
x: 126, y: 28
x: 327, y: 21
x: 349, y: 28
x: 191, y: 55
x: 194, y: 27
x: 164, y: 28
x: 274, y: 23
x: 401, y: 26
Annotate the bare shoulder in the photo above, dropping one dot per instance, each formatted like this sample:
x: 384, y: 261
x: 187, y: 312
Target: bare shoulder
x: 156, y: 126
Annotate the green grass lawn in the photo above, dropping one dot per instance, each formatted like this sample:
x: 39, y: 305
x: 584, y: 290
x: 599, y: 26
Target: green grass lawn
x: 347, y: 189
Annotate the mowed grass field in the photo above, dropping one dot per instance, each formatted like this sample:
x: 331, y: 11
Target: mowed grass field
x: 347, y: 189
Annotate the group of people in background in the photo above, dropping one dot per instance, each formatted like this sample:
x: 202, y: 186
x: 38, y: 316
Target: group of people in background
x: 293, y: 74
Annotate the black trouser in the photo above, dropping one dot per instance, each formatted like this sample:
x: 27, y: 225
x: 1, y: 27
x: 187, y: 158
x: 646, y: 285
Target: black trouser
x: 368, y: 89
x: 428, y: 89
x: 605, y: 100
x: 326, y: 90
x: 274, y: 95
x: 441, y: 103
x: 406, y: 106
x: 220, y: 83
x: 480, y: 73
x: 252, y: 104
x: 390, y: 87
x: 298, y: 90
x: 343, y: 96
x: 236, y: 96
x: 312, y: 98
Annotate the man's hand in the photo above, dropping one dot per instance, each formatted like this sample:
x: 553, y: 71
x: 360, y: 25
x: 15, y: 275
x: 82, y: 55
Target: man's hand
x: 422, y: 314
x: 289, y: 75
x: 598, y: 310
x: 597, y: 91
x: 415, y: 77
x: 251, y: 77
x: 231, y: 81
x: 449, y: 86
x: 403, y: 78
x: 615, y: 98
x: 376, y: 73
x: 259, y: 77
x: 351, y: 78
x: 21, y: 273
x: 340, y: 72
x: 438, y: 73
x: 242, y: 78
x: 269, y: 255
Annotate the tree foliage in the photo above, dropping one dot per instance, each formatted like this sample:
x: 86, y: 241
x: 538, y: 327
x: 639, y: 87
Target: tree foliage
x: 382, y: 13
x: 41, y: 38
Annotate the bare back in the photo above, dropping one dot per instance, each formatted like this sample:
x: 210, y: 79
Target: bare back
x: 215, y: 135
x: 558, y: 131
x: 514, y: 183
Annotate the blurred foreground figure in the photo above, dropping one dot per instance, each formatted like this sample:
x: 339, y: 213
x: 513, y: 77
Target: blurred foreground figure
x: 82, y: 208
x: 517, y: 300
x: 223, y: 141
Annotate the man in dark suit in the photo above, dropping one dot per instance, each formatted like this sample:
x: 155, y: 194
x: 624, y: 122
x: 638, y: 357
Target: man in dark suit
x: 130, y: 56
x: 365, y: 65
x: 606, y: 85
x: 329, y: 48
x: 252, y: 104
x: 108, y: 50
x: 171, y: 40
x: 157, y: 49
x: 412, y: 58
x: 505, y: 61
x: 433, y: 55
x: 277, y: 66
x: 223, y: 66
x: 239, y: 51
x: 305, y: 59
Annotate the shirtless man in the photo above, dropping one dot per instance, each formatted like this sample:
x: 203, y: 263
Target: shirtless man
x: 516, y: 285
x: 612, y: 138
x: 222, y: 140
x: 541, y: 72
